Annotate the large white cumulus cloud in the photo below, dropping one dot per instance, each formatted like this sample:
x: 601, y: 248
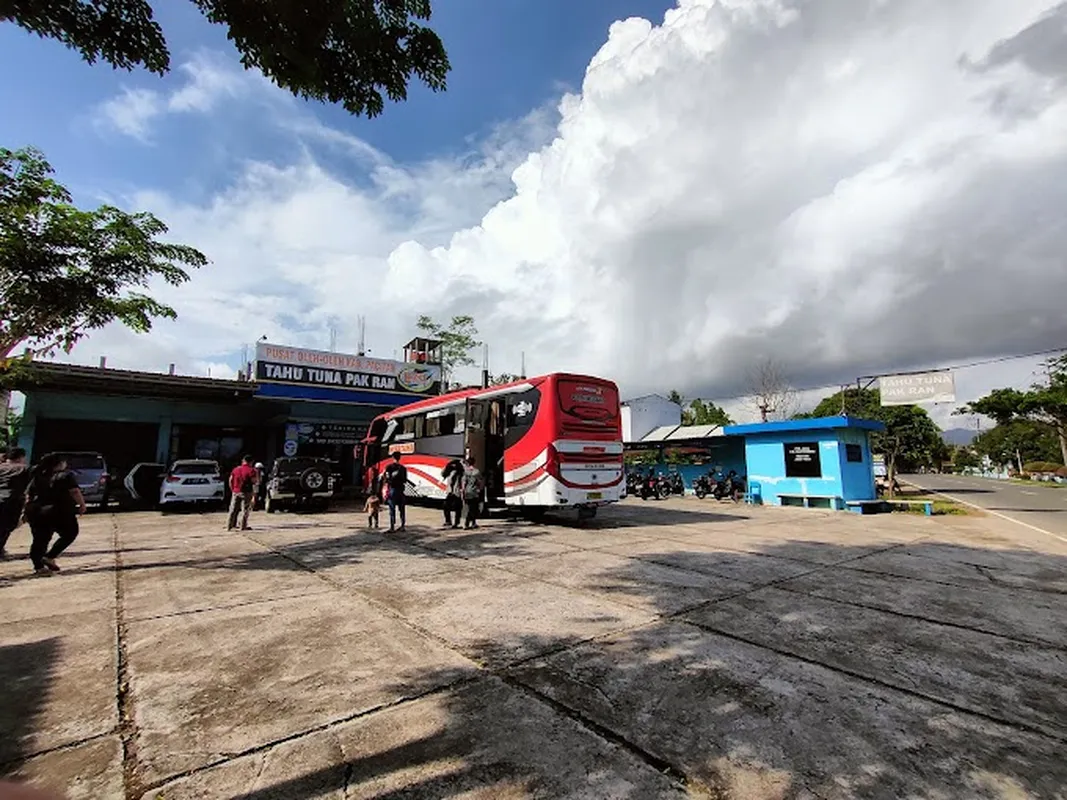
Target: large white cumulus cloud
x: 848, y: 186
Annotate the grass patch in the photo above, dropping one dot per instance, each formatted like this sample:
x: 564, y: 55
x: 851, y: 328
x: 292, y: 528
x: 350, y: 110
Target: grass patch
x: 1045, y: 484
x: 941, y: 507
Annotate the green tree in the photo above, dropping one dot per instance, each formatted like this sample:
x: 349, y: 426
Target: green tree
x: 1043, y: 403
x: 911, y: 439
x: 700, y: 412
x: 457, y: 339
x: 965, y: 458
x: 342, y: 51
x: 64, y: 271
x: 1017, y: 442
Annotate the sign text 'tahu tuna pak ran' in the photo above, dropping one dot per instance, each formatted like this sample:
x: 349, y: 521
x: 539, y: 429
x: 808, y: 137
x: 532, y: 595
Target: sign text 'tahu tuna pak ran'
x: 293, y: 366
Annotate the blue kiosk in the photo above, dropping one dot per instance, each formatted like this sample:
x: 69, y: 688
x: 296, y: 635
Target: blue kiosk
x: 817, y: 463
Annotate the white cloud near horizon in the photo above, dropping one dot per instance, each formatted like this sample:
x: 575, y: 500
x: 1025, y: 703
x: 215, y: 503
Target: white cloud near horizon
x: 849, y: 188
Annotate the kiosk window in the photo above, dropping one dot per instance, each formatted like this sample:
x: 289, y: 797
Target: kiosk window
x: 802, y: 460
x: 854, y: 453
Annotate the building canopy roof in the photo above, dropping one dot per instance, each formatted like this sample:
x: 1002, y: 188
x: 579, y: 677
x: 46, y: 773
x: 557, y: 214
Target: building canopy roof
x: 49, y: 376
x: 800, y: 425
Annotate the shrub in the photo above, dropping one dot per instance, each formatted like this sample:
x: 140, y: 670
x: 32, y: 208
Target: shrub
x: 1041, y: 467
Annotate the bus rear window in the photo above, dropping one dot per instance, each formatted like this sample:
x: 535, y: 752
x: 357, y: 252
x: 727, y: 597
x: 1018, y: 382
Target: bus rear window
x: 589, y: 400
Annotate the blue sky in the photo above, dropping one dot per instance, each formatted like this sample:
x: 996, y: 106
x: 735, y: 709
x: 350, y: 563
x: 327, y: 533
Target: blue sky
x: 507, y: 58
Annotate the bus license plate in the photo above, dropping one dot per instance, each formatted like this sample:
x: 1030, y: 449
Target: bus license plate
x: 594, y: 496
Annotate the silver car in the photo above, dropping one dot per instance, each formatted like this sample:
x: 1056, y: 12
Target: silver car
x: 90, y: 470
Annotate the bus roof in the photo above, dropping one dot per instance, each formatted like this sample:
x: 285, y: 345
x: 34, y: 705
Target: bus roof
x: 454, y: 397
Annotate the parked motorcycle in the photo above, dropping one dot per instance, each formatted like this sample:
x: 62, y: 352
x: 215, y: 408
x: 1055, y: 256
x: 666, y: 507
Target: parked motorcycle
x: 633, y: 483
x: 733, y: 487
x: 675, y: 483
x: 704, y: 485
x: 656, y: 487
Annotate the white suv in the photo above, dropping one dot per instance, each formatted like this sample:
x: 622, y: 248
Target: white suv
x: 193, y: 481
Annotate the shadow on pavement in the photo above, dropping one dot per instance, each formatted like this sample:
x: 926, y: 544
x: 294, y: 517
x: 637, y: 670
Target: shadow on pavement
x: 25, y: 681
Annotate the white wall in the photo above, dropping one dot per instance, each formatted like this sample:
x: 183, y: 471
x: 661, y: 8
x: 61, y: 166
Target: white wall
x: 645, y: 414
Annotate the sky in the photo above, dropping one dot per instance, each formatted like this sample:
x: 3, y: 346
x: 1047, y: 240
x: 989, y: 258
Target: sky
x: 665, y: 195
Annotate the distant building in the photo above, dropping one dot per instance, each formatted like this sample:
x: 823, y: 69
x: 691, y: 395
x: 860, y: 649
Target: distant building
x: 642, y: 415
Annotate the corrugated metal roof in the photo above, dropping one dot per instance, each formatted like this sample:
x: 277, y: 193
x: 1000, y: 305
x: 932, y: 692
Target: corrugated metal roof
x: 659, y: 434
x: 696, y: 432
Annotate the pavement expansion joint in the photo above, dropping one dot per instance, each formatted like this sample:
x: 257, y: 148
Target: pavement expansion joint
x: 921, y: 618
x: 1014, y: 724
x: 12, y: 764
x: 660, y: 765
x: 265, y: 747
x: 127, y: 727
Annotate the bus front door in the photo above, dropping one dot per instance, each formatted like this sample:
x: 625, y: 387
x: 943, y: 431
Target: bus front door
x: 484, y: 441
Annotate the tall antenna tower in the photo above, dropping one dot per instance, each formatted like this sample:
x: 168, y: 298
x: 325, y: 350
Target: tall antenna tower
x: 333, y: 338
x: 522, y: 365
x: 361, y: 321
x: 485, y: 365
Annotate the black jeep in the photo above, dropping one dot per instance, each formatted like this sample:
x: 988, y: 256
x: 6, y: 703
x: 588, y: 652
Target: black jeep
x: 304, y: 483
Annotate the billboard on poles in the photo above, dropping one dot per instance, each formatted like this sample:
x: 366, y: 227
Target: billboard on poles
x: 918, y: 387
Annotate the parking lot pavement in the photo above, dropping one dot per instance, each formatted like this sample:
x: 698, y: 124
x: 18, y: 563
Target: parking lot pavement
x: 671, y: 649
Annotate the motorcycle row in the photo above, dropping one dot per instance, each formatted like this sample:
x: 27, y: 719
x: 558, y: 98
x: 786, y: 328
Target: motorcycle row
x: 660, y: 487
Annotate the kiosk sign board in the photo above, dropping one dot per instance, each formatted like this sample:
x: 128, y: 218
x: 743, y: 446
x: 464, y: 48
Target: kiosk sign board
x: 919, y: 387
x: 294, y: 366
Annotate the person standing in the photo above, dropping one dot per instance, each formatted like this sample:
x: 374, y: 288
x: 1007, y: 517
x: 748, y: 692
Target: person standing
x: 372, y: 508
x: 53, y: 505
x: 452, y: 475
x: 396, y: 478
x: 14, y: 479
x: 261, y: 487
x: 243, y: 482
x: 473, y: 488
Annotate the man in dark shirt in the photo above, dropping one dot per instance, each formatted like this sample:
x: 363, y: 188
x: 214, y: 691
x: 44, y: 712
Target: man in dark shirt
x: 396, y: 478
x: 14, y: 477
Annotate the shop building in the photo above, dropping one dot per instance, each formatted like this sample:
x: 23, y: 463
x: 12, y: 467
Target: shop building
x: 296, y: 402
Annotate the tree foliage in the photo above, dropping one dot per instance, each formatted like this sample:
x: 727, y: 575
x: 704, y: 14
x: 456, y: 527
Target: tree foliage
x: 911, y: 439
x: 1043, y: 403
x: 457, y: 339
x: 11, y: 427
x: 502, y: 378
x: 965, y: 458
x: 705, y: 412
x: 1018, y: 441
x: 699, y: 412
x: 353, y: 52
x: 64, y: 271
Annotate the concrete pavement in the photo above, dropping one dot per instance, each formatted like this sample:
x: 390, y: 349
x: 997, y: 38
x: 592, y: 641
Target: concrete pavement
x: 1044, y: 507
x: 672, y: 649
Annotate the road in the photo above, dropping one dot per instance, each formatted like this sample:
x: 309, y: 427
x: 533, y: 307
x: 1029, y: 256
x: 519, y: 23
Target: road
x: 1038, y: 506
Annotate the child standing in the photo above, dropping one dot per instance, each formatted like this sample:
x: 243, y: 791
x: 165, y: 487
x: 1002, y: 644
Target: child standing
x: 372, y: 507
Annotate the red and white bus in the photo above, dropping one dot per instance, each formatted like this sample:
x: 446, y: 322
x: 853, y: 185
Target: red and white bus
x: 548, y: 442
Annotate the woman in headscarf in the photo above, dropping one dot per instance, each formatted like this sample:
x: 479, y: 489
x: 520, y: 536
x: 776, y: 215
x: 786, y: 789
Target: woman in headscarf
x: 53, y: 504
